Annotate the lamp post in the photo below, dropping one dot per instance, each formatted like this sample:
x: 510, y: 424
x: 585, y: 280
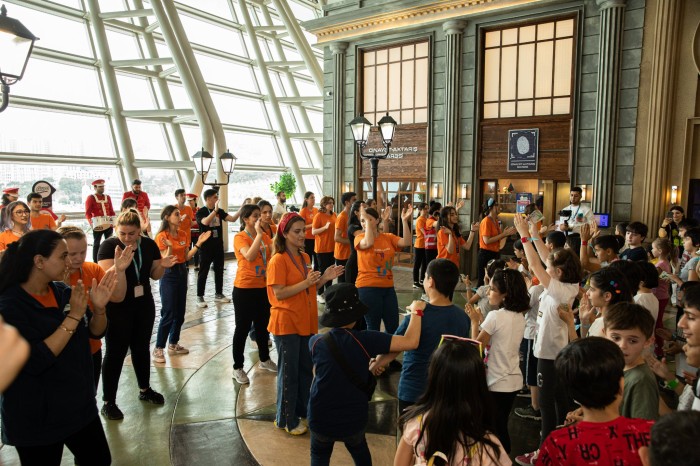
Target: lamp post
x: 16, y: 44
x: 202, y: 163
x: 361, y: 127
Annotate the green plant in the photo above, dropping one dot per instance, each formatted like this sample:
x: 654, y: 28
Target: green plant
x: 286, y: 183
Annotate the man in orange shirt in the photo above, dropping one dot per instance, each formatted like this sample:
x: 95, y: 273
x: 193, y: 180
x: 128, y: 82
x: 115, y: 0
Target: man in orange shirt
x: 341, y: 252
x: 186, y: 213
x: 40, y: 219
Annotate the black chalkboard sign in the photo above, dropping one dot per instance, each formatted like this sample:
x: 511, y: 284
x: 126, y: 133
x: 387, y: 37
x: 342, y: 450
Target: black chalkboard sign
x: 522, y: 150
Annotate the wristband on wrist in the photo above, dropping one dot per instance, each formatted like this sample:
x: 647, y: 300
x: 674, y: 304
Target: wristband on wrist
x: 196, y: 246
x: 671, y: 385
x: 524, y: 239
x: 584, y: 243
x: 71, y: 317
x: 63, y: 327
x: 419, y: 312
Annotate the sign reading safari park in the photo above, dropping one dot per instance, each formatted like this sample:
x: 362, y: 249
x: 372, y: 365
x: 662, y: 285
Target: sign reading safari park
x: 408, y: 155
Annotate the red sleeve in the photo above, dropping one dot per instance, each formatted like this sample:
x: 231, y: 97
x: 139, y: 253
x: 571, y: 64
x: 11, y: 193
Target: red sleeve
x: 110, y: 209
x: 147, y: 203
x: 89, y: 204
x: 125, y: 195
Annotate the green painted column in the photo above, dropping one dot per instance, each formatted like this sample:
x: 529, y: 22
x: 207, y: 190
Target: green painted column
x: 338, y: 136
x: 454, y: 31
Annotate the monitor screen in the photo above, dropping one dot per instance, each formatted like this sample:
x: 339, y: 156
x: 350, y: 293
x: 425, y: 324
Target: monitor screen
x: 603, y: 220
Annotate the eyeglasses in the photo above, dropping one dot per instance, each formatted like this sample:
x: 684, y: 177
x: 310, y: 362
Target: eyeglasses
x: 21, y: 212
x: 476, y: 343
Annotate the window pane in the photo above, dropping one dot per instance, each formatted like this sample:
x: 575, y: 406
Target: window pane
x: 422, y: 50
x: 406, y: 117
x: 407, y: 84
x: 510, y: 36
x: 507, y: 109
x: 421, y: 83
x: 543, y: 107
x: 394, y: 86
x: 382, y: 56
x: 211, y: 35
x: 136, y: 93
x: 148, y: 140
x: 545, y: 31
x: 301, y: 158
x: 43, y: 78
x: 526, y: 71
x: 61, y: 134
x: 122, y: 45
x: 490, y: 110
x: 492, y: 39
x: 369, y: 89
x: 369, y: 58
x: 508, y: 72
x: 562, y: 67
x: 408, y: 52
x: 421, y: 115
x: 491, y: 72
x: 226, y: 73
x: 527, y: 33
x: 238, y: 110
x: 215, y: 7
x: 382, y: 84
x: 561, y: 106
x: 524, y: 108
x: 313, y: 185
x: 252, y: 149
x: 395, y: 54
x: 565, y: 28
x: 179, y: 96
x: 543, y: 86
x: 56, y: 33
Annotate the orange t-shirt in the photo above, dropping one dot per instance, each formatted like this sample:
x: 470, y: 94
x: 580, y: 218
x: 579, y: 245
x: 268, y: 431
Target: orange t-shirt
x: 420, y: 232
x: 47, y: 300
x: 180, y: 244
x: 273, y: 232
x: 90, y: 271
x: 489, y: 227
x: 374, y: 264
x: 342, y: 250
x: 6, y: 238
x: 44, y: 221
x: 325, y: 242
x: 251, y: 274
x: 442, y: 240
x: 308, y: 215
x: 298, y: 314
x: 187, y: 216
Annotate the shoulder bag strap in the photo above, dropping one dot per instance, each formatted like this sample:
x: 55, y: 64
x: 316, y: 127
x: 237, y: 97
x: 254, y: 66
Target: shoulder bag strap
x: 352, y: 375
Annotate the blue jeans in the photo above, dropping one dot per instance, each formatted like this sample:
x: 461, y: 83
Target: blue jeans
x: 383, y: 305
x: 173, y: 296
x: 293, y: 379
x: 322, y: 448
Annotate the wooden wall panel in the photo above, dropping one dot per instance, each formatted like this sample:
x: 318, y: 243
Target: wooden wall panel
x: 408, y: 156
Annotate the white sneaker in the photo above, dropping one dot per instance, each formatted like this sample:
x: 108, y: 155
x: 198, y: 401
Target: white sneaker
x: 200, y: 302
x: 158, y: 355
x: 300, y: 429
x: 320, y: 299
x: 268, y: 365
x: 240, y: 376
x: 219, y: 298
x: 177, y: 349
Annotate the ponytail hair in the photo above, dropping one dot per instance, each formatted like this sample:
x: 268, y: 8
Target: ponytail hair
x: 668, y: 248
x: 129, y: 218
x: 18, y: 260
x: 71, y: 232
x: 246, y: 211
x: 614, y: 282
x: 488, y: 205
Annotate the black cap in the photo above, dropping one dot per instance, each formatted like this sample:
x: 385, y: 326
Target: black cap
x: 343, y: 306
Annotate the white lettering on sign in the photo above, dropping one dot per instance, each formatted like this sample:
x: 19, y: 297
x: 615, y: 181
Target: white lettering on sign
x: 394, y: 150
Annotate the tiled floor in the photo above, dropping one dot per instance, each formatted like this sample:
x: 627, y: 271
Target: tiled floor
x: 209, y: 419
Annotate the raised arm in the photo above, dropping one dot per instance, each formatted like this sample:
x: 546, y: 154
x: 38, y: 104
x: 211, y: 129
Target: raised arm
x: 407, y: 236
x: 592, y: 264
x: 532, y: 256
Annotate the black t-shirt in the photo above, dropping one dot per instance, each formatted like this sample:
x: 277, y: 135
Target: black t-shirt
x: 216, y: 226
x: 634, y: 254
x: 149, y: 254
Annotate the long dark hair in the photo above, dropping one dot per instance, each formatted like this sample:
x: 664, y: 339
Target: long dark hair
x: 307, y: 195
x: 512, y: 284
x: 278, y: 242
x: 444, y: 221
x: 353, y: 218
x: 612, y: 281
x: 164, y: 214
x: 246, y: 211
x: 18, y: 260
x: 455, y: 415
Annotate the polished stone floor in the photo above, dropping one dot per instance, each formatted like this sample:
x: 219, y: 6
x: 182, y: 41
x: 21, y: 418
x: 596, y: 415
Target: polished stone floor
x: 209, y: 419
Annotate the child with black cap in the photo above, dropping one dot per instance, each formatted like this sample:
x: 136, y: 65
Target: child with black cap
x: 342, y: 384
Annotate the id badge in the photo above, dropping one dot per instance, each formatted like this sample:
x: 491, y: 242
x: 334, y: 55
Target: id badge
x: 215, y: 233
x: 138, y: 291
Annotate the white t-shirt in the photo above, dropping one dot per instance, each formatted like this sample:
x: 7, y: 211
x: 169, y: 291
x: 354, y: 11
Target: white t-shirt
x: 596, y: 329
x: 580, y: 214
x: 552, y: 332
x: 649, y: 302
x: 696, y: 401
x: 483, y: 303
x: 506, y: 329
x: 531, y: 316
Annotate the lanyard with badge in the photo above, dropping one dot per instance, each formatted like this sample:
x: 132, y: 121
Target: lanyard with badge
x: 215, y: 223
x: 303, y: 270
x: 138, y: 289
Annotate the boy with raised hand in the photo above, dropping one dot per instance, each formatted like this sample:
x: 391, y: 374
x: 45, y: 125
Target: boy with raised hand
x: 342, y: 384
x: 592, y: 369
x: 441, y: 317
x: 631, y: 328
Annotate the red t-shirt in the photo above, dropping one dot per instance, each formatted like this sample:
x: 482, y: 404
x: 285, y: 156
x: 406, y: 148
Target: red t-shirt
x: 613, y: 443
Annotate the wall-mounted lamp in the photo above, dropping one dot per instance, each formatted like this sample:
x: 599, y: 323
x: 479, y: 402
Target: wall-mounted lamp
x: 16, y: 43
x: 202, y: 163
x: 674, y: 194
x: 466, y: 191
x: 437, y: 191
x: 347, y: 187
x: 583, y: 192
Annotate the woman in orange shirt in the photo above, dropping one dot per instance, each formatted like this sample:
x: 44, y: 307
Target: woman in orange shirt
x: 268, y: 226
x: 14, y: 223
x: 419, y: 262
x: 491, y: 238
x: 431, y: 226
x: 172, y: 241
x: 308, y: 212
x: 375, y: 259
x: 291, y: 289
x: 253, y: 248
x: 449, y: 239
x: 323, y: 229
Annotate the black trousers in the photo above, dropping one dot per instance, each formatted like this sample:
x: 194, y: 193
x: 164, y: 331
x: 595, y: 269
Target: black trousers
x: 251, y: 306
x: 310, y: 249
x: 419, y: 265
x: 430, y: 254
x: 341, y: 279
x: 482, y: 259
x: 88, y: 445
x: 552, y: 396
x: 503, y: 403
x: 130, y: 328
x: 325, y: 260
x: 97, y: 366
x: 97, y: 239
x: 212, y: 253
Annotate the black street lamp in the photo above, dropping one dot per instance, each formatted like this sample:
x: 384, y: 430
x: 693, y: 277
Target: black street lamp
x: 360, y: 127
x: 16, y: 44
x: 202, y: 163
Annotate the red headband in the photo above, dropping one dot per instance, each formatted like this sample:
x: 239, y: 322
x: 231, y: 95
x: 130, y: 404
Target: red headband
x: 286, y: 218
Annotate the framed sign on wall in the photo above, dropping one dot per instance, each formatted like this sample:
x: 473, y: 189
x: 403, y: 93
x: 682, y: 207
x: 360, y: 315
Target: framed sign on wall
x: 523, y: 150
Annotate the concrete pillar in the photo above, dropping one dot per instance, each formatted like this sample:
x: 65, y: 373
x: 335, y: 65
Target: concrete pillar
x: 338, y: 136
x: 612, y: 16
x: 663, y: 88
x: 454, y: 30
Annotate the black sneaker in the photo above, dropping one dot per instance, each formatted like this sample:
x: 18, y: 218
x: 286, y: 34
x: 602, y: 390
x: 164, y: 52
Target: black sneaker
x: 417, y: 285
x: 152, y: 397
x: 111, y: 411
x: 528, y: 412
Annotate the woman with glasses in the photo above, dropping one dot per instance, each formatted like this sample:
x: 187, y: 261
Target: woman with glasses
x: 14, y: 223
